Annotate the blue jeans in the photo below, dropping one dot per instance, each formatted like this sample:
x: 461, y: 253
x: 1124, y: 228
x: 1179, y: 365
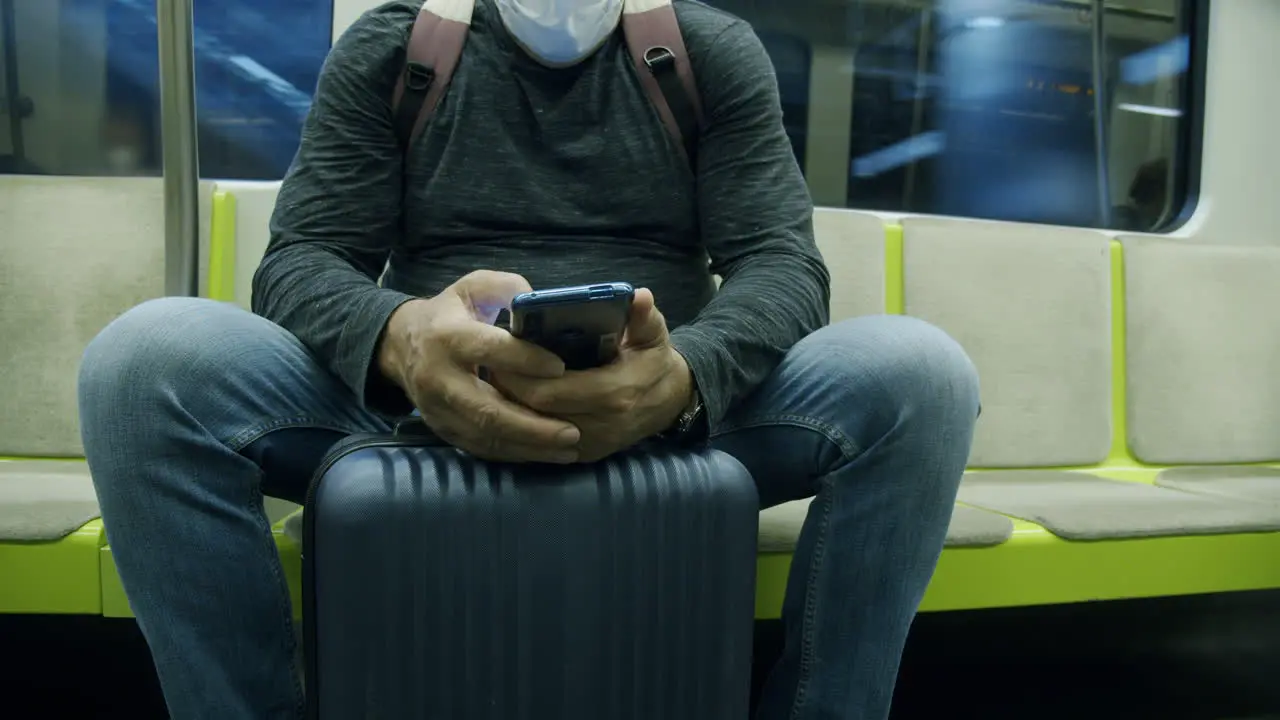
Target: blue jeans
x: 192, y: 410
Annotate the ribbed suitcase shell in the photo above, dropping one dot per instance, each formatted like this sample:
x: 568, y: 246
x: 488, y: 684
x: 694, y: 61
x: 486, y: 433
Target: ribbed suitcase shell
x: 438, y: 586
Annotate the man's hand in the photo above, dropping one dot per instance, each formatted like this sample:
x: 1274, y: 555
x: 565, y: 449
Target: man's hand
x: 638, y: 395
x: 433, y: 349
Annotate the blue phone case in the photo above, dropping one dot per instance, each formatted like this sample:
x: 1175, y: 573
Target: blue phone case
x: 583, y: 324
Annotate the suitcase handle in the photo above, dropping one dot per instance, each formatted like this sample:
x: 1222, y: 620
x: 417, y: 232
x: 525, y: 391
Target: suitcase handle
x: 416, y: 428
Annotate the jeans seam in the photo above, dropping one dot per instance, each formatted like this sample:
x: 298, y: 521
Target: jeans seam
x: 245, y: 438
x: 809, y: 620
x: 827, y: 430
x: 285, y: 606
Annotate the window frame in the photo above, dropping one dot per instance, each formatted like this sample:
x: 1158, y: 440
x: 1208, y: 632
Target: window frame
x: 1189, y: 150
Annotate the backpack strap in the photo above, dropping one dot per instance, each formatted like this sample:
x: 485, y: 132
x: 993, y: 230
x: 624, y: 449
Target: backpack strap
x: 435, y: 45
x: 657, y: 48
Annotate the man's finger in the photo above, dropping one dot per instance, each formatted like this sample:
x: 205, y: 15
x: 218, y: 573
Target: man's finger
x: 494, y: 348
x: 645, y: 325
x: 582, y: 392
x: 491, y: 421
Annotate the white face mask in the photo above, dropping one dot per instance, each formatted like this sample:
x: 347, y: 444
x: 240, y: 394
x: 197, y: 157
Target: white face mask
x: 560, y: 32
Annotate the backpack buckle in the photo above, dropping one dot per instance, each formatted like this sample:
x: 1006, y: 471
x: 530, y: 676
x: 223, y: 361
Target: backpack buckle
x: 418, y: 77
x: 659, y: 59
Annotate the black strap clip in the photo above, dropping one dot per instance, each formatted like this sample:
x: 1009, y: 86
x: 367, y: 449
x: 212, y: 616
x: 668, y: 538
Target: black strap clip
x: 418, y: 77
x: 659, y: 60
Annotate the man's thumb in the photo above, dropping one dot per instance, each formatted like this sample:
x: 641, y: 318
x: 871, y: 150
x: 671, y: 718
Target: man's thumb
x: 645, y: 324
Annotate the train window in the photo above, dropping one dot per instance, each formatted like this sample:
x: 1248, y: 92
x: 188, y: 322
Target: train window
x: 988, y: 108
x: 79, y: 85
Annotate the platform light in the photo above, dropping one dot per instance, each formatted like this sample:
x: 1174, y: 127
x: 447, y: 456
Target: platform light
x: 984, y: 22
x: 899, y: 154
x: 1151, y: 110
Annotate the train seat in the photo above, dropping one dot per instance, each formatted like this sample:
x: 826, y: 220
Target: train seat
x: 99, y: 251
x: 1070, y: 495
x: 1082, y: 506
x: 44, y: 500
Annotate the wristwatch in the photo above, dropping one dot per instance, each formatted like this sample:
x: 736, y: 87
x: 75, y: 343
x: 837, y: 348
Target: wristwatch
x: 689, y: 425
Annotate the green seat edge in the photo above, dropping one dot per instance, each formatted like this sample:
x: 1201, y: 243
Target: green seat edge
x: 77, y: 574
x: 63, y: 577
x: 1033, y: 568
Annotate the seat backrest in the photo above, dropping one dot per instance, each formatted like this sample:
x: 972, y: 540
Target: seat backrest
x: 653, y: 39
x: 1202, y: 351
x: 1032, y: 307
x: 74, y: 254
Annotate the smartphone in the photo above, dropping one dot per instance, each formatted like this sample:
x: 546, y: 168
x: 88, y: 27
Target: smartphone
x: 583, y: 325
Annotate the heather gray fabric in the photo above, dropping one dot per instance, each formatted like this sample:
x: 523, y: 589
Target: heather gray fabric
x: 74, y: 254
x: 852, y: 244
x: 1078, y: 506
x: 43, y: 500
x: 565, y: 176
x: 1202, y: 351
x: 974, y: 527
x: 1250, y: 484
x: 970, y: 527
x: 1032, y: 307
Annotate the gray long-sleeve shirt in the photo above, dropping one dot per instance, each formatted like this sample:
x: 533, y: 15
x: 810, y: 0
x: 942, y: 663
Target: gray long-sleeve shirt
x: 565, y: 176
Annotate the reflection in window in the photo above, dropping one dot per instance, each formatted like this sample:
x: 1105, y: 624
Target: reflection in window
x: 84, y: 76
x: 985, y: 109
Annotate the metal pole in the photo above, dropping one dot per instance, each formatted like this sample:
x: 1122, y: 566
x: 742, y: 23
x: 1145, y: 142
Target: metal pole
x: 13, y: 101
x: 1100, y: 113
x: 178, y: 136
x: 917, y: 107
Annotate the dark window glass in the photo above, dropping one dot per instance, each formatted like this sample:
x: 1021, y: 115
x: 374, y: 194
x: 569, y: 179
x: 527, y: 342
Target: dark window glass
x: 988, y: 109
x: 83, y: 78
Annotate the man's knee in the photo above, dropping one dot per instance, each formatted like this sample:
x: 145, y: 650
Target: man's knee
x: 161, y: 354
x: 899, y: 367
x: 142, y: 348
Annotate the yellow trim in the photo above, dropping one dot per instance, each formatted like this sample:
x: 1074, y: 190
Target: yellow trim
x: 222, y: 247
x: 1034, y: 568
x: 60, y: 577
x: 1038, y: 568
x: 1119, y: 454
x: 52, y: 577
x: 114, y: 602
x: 291, y: 563
x: 895, y: 300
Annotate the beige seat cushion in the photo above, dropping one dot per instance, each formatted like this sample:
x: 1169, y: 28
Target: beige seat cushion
x: 43, y: 500
x: 970, y: 527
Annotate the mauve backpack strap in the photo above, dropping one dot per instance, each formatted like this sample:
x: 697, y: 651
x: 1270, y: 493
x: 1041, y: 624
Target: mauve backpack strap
x: 662, y: 62
x: 435, y: 45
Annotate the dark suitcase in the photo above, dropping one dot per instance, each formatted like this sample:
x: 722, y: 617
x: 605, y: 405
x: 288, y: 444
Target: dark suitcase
x: 443, y: 587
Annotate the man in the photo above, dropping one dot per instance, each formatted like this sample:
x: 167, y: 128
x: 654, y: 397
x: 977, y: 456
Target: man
x: 545, y: 165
